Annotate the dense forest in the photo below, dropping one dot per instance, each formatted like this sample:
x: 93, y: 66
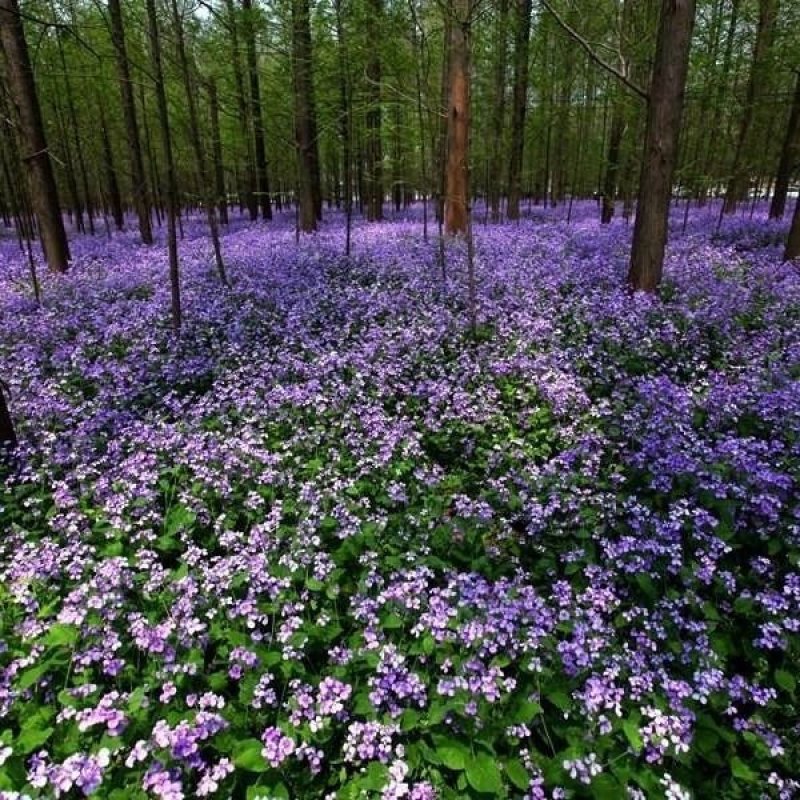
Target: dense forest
x: 400, y: 399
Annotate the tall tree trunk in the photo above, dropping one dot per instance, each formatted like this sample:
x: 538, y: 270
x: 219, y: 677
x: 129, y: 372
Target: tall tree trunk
x: 522, y: 24
x: 612, y: 165
x: 112, y: 185
x: 374, y: 150
x: 138, y: 182
x: 664, y: 112
x: 790, y: 155
x: 304, y: 117
x: 793, y: 242
x: 166, y: 144
x: 216, y: 152
x: 249, y: 185
x: 190, y: 86
x: 345, y: 124
x: 494, y: 189
x: 756, y: 86
x: 456, y: 208
x: 262, y: 176
x: 7, y: 435
x: 44, y: 193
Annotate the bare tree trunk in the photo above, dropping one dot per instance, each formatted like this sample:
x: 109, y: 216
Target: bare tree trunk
x: 793, y: 242
x: 249, y: 185
x: 494, y: 188
x: 740, y: 177
x: 304, y: 117
x: 665, y: 109
x: 262, y: 175
x: 374, y: 167
x: 138, y: 182
x: 112, y: 185
x: 519, y: 105
x: 44, y: 193
x: 790, y: 155
x: 7, y: 435
x: 612, y: 167
x: 190, y: 87
x: 456, y: 207
x: 166, y: 143
x: 216, y: 150
x: 345, y: 124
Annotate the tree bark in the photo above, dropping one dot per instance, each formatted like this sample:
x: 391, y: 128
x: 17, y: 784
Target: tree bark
x: 138, y: 182
x: 374, y: 149
x: 112, y: 185
x: 305, y: 118
x: 519, y: 105
x: 790, y: 155
x: 494, y: 189
x: 612, y: 165
x: 166, y: 144
x: 664, y: 112
x: 216, y: 151
x: 262, y: 175
x: 793, y: 242
x: 190, y: 87
x: 345, y: 125
x: 756, y: 85
x: 44, y: 193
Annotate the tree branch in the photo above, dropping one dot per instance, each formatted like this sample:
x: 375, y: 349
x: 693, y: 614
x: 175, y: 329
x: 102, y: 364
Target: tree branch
x: 621, y: 76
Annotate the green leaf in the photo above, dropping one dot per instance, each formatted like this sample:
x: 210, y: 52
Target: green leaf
x: 741, y: 771
x: 525, y: 712
x: 32, y: 737
x: 61, y: 635
x: 31, y: 675
x: 483, y: 775
x: 605, y: 787
x: 785, y: 680
x: 247, y: 755
x: 517, y: 774
x: 631, y: 730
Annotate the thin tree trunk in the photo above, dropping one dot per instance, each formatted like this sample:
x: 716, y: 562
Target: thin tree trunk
x: 112, y: 185
x: 374, y: 167
x: 304, y: 118
x: 522, y: 24
x: 612, y: 166
x: 44, y: 193
x: 790, y: 155
x: 166, y: 143
x: 249, y: 184
x: 665, y: 108
x: 345, y: 124
x: 138, y: 182
x: 740, y: 177
x: 497, y: 122
x: 262, y: 175
x: 793, y: 242
x: 190, y: 87
x: 216, y: 150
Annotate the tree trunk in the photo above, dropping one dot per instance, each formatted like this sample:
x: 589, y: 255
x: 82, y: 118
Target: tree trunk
x: 166, y: 144
x: 790, y: 155
x: 304, y: 118
x: 190, y: 87
x: 756, y: 86
x: 262, y: 176
x: 138, y: 182
x: 345, y: 125
x: 793, y: 242
x: 374, y: 150
x: 7, y: 435
x: 216, y: 152
x: 519, y: 105
x: 112, y: 185
x: 665, y: 108
x: 612, y: 166
x: 40, y: 170
x: 249, y: 184
x: 494, y: 188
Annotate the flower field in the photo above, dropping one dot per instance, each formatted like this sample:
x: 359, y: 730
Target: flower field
x: 330, y: 543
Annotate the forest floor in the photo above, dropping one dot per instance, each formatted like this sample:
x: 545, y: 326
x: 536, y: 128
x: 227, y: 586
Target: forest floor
x: 328, y: 544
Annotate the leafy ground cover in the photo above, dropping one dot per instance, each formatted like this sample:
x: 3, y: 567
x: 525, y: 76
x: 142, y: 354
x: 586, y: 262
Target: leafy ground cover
x: 329, y: 545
